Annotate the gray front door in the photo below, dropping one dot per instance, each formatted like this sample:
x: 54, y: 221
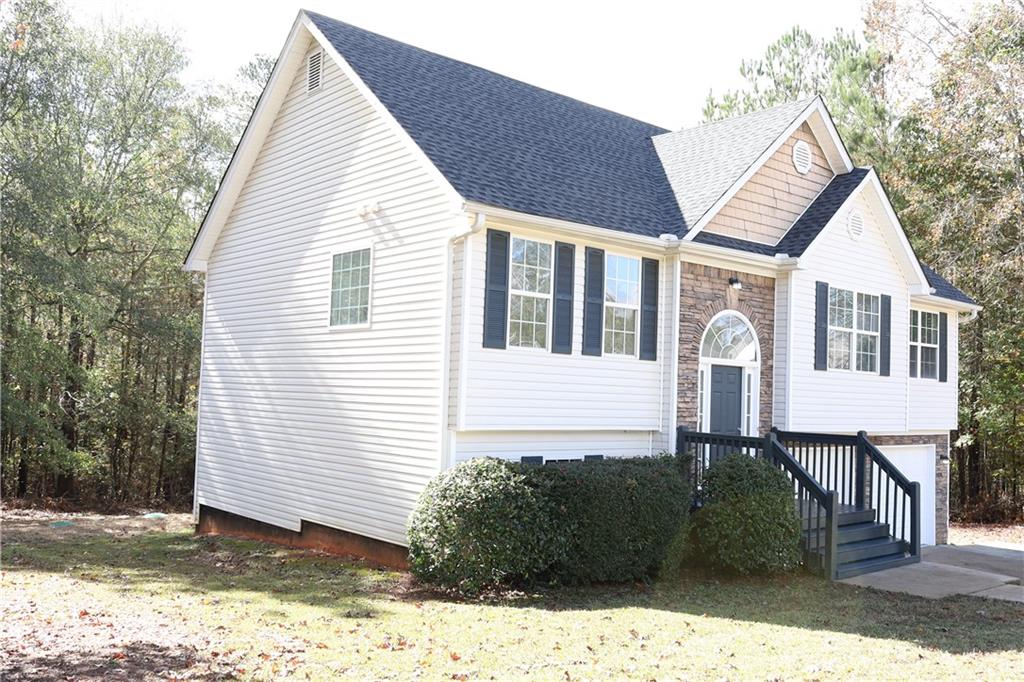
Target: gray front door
x: 726, y: 399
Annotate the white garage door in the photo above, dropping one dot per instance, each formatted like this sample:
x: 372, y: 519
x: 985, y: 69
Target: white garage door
x: 917, y: 462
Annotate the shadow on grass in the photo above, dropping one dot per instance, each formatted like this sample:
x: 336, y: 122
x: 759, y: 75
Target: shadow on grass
x: 956, y: 625
x: 187, y: 563
x: 209, y: 565
x: 135, y: 661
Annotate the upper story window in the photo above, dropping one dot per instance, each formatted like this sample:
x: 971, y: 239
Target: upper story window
x: 853, y: 326
x: 621, y: 304
x: 350, y: 288
x: 924, y: 344
x: 529, y: 294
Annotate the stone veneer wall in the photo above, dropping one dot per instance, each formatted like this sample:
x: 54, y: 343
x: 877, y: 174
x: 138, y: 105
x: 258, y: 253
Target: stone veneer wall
x: 941, y: 442
x: 704, y: 292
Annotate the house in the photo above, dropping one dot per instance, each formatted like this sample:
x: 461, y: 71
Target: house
x: 412, y: 261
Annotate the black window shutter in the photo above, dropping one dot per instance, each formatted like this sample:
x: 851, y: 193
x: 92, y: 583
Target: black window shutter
x: 593, y: 301
x: 885, y: 336
x: 649, y: 310
x: 565, y: 283
x: 943, y: 350
x: 496, y: 289
x: 821, y: 326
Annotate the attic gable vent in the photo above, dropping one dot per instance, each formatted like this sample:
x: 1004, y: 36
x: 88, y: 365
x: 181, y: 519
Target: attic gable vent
x: 802, y: 157
x: 855, y: 225
x: 314, y: 71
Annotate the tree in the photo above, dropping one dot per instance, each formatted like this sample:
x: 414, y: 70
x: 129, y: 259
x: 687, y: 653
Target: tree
x: 108, y: 162
x: 849, y: 76
x: 936, y: 104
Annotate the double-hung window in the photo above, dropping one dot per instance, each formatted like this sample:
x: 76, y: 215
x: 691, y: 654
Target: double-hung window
x: 853, y: 327
x: 529, y: 294
x: 621, y: 304
x: 350, y: 288
x: 924, y: 344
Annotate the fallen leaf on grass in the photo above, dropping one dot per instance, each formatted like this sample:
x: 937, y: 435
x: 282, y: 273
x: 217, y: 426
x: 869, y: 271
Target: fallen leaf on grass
x: 454, y: 656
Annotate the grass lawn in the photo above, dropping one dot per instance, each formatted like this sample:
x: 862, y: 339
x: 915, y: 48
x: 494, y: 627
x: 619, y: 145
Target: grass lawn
x: 154, y: 603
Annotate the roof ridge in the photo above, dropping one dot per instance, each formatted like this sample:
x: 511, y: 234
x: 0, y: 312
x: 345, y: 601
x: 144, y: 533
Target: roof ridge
x: 492, y: 72
x: 706, y: 124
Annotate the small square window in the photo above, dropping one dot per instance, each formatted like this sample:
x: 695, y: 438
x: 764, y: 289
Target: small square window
x: 350, y: 288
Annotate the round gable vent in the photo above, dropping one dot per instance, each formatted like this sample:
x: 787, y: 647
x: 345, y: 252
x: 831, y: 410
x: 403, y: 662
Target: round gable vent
x: 802, y: 157
x: 855, y: 225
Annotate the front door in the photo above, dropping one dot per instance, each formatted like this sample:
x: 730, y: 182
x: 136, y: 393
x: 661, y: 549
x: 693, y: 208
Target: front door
x: 726, y: 400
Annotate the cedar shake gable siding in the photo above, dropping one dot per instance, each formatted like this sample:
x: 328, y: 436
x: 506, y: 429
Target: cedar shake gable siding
x: 765, y: 207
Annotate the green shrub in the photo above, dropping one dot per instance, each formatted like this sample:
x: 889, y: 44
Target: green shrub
x: 617, y: 516
x: 480, y: 525
x: 748, y: 523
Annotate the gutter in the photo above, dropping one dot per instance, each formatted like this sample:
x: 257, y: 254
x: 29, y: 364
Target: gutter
x: 666, y: 243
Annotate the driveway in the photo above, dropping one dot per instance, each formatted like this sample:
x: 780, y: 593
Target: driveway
x: 947, y: 570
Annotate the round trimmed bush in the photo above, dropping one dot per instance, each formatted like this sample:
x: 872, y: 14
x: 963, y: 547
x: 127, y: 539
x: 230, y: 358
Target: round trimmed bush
x: 480, y: 525
x: 748, y: 523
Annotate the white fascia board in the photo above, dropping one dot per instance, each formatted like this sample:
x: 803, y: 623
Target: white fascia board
x: 694, y: 252
x: 570, y: 228
x: 248, y: 147
x: 454, y: 198
x: 823, y: 122
x: 933, y: 301
x: 900, y: 235
x: 263, y: 118
x: 894, y: 236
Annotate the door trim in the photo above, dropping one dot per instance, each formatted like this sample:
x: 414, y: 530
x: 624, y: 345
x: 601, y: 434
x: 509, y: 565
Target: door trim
x: 751, y: 397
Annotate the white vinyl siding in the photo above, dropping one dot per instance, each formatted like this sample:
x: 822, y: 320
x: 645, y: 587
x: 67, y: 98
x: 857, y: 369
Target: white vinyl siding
x: 933, y: 403
x: 296, y: 422
x: 847, y: 401
x: 543, y: 391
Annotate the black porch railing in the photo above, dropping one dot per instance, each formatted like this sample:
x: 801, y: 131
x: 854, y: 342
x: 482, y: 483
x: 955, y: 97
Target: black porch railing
x: 831, y: 475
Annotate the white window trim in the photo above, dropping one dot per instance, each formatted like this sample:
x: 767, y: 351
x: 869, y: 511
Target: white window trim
x: 749, y: 419
x: 330, y: 286
x: 605, y: 304
x: 550, y: 296
x: 921, y: 344
x: 855, y: 332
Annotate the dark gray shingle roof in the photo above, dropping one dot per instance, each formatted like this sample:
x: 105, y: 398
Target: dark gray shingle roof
x: 505, y: 143
x: 943, y: 288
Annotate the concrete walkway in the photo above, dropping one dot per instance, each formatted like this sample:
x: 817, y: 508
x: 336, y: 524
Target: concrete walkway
x: 947, y: 570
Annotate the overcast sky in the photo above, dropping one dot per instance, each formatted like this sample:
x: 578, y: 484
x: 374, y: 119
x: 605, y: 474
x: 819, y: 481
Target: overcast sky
x: 655, y: 61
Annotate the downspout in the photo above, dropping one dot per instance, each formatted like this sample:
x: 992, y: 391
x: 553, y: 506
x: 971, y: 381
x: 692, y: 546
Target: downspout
x: 673, y: 250
x: 446, y: 435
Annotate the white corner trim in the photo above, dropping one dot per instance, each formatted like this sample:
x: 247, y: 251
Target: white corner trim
x: 247, y: 149
x: 815, y: 107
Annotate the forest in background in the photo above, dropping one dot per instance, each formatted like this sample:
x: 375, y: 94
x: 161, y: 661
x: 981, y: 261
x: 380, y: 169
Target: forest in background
x: 110, y: 159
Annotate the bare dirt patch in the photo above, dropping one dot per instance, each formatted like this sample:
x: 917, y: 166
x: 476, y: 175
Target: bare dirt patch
x: 24, y: 524
x: 982, y: 534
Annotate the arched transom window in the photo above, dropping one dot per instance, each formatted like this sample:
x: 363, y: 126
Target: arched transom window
x: 729, y: 337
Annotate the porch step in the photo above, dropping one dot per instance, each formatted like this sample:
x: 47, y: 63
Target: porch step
x: 850, y: 516
x: 849, y: 533
x: 851, y: 552
x: 878, y: 563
